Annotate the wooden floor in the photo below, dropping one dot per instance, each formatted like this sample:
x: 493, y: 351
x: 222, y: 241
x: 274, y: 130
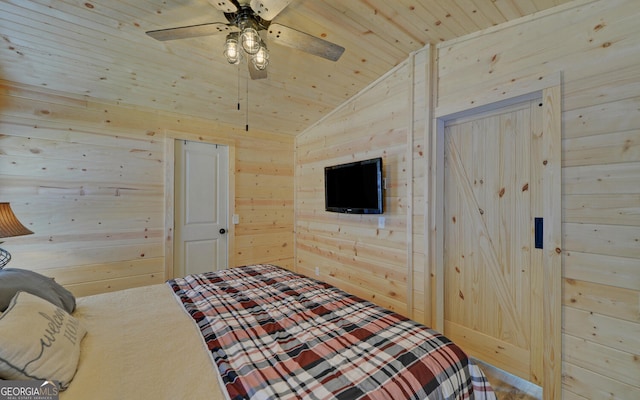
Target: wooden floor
x: 509, y: 387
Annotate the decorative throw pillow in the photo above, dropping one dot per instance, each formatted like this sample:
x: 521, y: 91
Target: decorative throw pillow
x: 39, y: 341
x: 13, y: 279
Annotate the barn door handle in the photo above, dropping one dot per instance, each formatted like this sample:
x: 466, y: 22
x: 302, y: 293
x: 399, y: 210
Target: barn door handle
x: 222, y: 231
x: 538, y: 225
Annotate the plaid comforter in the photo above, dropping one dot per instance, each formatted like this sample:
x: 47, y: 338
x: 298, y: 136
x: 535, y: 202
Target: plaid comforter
x: 277, y: 335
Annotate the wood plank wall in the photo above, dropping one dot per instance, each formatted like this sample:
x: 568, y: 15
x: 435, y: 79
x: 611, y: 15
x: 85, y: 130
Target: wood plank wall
x: 88, y: 179
x: 379, y: 264
x: 350, y: 251
x: 595, y: 45
x: 264, y: 201
x: 423, y: 286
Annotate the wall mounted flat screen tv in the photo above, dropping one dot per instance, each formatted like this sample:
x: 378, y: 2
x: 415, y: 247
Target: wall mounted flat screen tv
x: 354, y: 188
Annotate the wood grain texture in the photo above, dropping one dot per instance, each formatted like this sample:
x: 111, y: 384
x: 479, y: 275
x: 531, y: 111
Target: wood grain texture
x: 593, y: 46
x: 100, y: 51
x: 84, y: 76
x: 98, y: 196
x: 501, y: 168
x: 333, y: 242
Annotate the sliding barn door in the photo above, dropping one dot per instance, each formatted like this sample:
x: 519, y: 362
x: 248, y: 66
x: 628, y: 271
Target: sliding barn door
x: 492, y: 299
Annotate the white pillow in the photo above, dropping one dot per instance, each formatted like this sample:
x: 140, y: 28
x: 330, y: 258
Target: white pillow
x: 39, y: 341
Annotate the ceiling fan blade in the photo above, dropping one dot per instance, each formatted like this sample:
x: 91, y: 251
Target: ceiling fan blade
x: 226, y: 6
x: 268, y: 9
x: 191, y: 31
x: 256, y: 73
x: 303, y: 41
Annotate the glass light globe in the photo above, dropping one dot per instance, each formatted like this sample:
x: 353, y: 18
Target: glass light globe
x: 232, y: 50
x: 261, y: 58
x: 250, y: 41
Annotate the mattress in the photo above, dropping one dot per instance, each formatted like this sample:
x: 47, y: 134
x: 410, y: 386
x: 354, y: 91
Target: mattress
x: 165, y: 342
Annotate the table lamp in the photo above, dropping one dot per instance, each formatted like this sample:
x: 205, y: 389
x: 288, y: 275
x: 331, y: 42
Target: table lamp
x: 9, y: 227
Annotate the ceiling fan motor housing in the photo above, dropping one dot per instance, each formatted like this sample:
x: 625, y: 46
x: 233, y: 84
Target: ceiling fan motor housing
x: 245, y: 16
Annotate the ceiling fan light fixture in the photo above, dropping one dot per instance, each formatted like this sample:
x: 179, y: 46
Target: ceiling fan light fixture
x: 232, y: 50
x: 250, y: 40
x: 261, y: 58
x: 249, y: 21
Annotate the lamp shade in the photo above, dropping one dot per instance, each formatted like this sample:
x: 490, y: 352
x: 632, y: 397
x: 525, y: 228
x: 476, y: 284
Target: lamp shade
x: 9, y: 224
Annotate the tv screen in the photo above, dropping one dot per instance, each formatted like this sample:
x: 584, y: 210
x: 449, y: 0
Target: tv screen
x: 354, y: 188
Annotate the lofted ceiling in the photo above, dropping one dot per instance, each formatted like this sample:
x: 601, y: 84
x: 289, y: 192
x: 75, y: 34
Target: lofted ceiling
x: 98, y: 49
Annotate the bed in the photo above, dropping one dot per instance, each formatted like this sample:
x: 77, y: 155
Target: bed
x: 260, y: 332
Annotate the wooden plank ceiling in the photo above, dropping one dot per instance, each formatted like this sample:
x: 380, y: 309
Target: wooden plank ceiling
x: 99, y: 50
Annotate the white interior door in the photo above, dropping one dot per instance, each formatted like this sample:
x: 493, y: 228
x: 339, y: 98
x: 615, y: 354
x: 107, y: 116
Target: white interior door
x: 201, y: 209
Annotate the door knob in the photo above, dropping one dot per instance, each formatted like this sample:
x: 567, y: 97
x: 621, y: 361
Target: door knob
x: 222, y: 231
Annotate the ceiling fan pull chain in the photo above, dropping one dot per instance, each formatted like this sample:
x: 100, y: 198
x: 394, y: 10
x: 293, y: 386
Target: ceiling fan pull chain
x: 238, y: 88
x: 247, y: 109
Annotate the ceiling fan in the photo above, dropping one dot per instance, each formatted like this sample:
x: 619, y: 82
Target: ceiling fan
x: 246, y: 19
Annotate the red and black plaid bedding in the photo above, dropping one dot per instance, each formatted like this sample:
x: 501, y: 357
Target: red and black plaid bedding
x: 275, y: 334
